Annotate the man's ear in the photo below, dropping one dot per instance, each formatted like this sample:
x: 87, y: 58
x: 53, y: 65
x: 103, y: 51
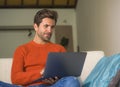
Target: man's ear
x: 35, y: 27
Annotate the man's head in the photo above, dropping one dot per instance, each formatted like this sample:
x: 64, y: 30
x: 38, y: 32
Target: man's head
x: 45, y: 13
x: 44, y: 23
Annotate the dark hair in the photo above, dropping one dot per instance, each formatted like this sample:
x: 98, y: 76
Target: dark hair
x: 45, y: 13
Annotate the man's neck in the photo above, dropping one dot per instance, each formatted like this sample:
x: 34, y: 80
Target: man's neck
x: 39, y: 41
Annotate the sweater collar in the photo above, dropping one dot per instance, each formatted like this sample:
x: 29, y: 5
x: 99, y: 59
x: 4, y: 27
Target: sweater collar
x: 40, y: 45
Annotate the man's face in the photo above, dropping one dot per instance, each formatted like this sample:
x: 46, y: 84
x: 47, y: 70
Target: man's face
x: 45, y: 29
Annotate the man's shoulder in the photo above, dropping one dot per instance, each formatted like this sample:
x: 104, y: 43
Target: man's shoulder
x: 58, y: 46
x: 25, y: 45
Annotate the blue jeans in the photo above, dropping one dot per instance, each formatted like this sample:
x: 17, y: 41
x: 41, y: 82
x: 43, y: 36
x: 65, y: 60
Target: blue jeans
x: 70, y: 81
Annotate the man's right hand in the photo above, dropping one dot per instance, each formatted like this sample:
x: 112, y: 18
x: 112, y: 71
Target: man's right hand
x: 51, y: 80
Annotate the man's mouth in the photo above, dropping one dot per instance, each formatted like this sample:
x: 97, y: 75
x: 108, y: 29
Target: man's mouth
x: 48, y: 35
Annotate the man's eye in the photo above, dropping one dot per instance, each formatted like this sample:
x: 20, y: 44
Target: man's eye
x: 52, y: 27
x: 45, y: 26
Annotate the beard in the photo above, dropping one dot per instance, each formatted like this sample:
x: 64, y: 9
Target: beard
x: 45, y: 36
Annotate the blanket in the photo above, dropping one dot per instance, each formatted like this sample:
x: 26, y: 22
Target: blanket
x: 103, y: 72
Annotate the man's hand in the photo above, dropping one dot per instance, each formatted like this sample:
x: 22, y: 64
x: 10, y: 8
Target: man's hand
x: 51, y: 80
x: 42, y: 71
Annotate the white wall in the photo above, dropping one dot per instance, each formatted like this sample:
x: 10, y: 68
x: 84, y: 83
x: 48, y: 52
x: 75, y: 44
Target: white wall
x: 24, y: 17
x: 98, y: 24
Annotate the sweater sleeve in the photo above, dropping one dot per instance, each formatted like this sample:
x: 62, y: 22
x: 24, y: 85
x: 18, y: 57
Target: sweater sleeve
x: 18, y: 75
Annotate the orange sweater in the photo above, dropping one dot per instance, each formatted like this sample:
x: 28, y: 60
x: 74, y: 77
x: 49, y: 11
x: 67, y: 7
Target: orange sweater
x: 29, y: 59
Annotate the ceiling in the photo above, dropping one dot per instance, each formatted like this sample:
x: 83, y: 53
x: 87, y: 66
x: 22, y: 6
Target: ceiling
x: 38, y: 3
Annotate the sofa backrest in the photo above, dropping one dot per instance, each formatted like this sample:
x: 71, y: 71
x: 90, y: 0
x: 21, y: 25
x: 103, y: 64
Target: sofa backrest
x: 5, y: 69
x: 91, y: 60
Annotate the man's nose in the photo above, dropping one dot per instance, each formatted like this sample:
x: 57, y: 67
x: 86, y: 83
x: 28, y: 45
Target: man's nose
x: 50, y: 29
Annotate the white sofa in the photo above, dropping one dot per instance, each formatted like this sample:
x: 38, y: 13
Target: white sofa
x: 91, y: 59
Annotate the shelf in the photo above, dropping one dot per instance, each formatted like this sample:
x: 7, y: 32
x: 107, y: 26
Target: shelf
x: 16, y: 27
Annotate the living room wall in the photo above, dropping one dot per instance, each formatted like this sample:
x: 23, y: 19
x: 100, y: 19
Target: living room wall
x: 24, y: 17
x: 98, y: 25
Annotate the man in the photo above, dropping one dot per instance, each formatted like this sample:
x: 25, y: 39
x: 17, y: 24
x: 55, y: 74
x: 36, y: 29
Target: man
x: 29, y: 59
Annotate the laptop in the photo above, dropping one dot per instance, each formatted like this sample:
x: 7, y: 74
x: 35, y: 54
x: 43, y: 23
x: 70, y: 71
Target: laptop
x: 64, y: 64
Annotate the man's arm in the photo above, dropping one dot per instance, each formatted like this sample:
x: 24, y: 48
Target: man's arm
x: 18, y: 74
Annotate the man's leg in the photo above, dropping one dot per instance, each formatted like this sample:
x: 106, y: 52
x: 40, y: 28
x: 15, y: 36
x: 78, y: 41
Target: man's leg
x: 3, y: 84
x: 69, y: 81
